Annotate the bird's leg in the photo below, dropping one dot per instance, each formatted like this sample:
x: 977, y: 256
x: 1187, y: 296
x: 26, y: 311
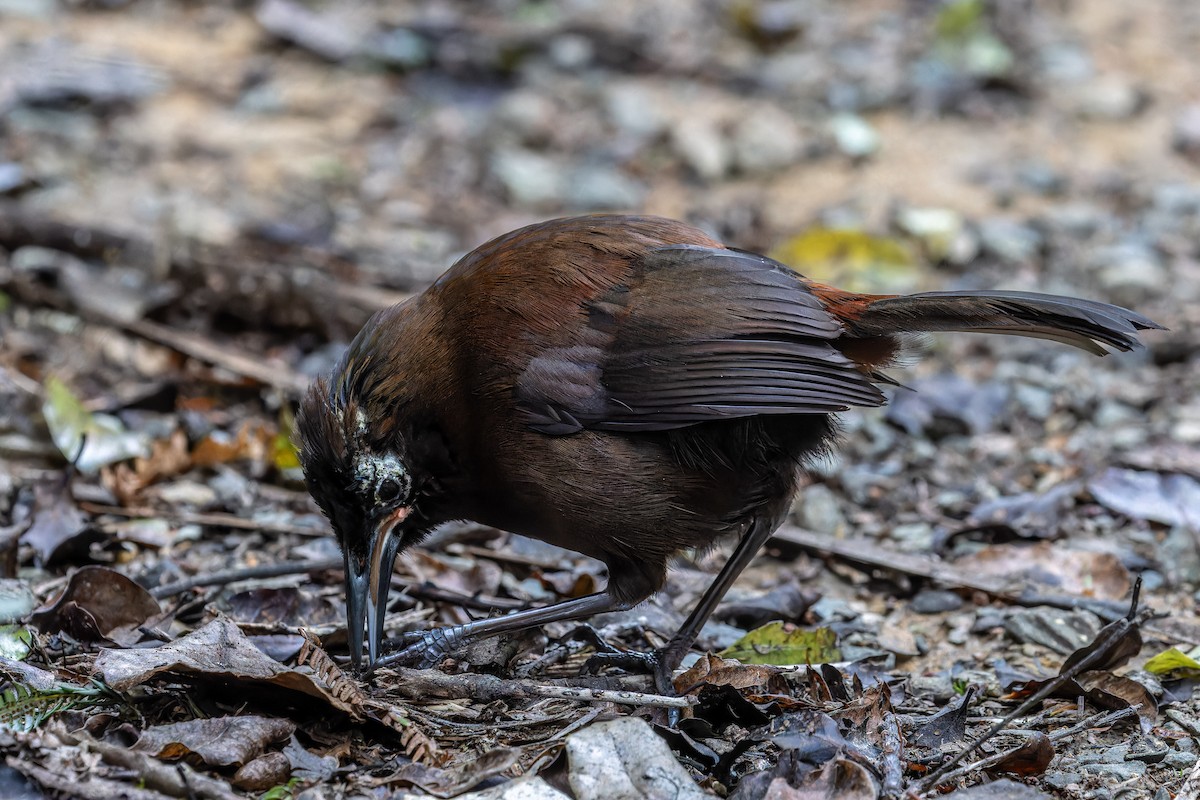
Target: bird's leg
x: 662, y: 663
x: 434, y: 645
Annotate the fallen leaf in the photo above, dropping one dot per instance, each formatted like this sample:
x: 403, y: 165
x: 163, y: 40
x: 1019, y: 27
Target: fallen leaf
x: 1169, y: 499
x: 812, y: 735
x: 1045, y: 564
x: 839, y: 779
x: 945, y: 727
x: 216, y: 741
x: 264, y: 772
x: 1031, y: 758
x: 99, y: 604
x: 168, y: 457
x: 217, y: 651
x: 103, y: 437
x: 779, y: 644
x: 59, y: 528
x: 1174, y: 663
x: 714, y: 671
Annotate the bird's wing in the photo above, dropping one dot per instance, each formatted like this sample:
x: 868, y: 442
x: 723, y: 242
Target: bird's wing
x: 695, y: 334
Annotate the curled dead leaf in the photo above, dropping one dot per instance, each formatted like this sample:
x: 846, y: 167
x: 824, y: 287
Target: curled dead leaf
x: 99, y: 604
x: 217, y: 651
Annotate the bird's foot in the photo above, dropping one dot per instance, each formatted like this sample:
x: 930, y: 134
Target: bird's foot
x: 658, y: 663
x: 419, y: 649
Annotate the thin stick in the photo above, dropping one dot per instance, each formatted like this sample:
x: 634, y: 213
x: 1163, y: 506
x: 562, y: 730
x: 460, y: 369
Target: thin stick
x: 1111, y: 633
x: 1094, y: 721
x: 245, y: 574
x: 210, y: 519
x: 429, y: 683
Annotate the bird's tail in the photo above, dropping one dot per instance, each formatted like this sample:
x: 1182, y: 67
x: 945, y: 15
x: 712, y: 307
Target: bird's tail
x: 1085, y: 324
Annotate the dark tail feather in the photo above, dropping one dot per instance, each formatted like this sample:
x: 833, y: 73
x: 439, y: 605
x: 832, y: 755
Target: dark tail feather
x: 1082, y: 323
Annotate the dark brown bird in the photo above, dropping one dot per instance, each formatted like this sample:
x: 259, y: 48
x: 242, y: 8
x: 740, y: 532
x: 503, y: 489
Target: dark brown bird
x: 625, y: 387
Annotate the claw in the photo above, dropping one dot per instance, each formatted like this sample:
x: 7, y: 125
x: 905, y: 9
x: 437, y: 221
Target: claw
x: 427, y: 649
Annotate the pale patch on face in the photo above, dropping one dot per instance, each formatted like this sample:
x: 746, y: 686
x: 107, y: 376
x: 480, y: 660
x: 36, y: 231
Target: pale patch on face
x: 386, y: 476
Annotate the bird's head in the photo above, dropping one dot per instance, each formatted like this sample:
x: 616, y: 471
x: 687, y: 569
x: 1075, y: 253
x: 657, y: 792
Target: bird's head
x: 365, y: 468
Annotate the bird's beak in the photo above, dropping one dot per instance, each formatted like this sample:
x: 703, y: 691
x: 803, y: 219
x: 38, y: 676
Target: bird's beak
x: 367, y: 585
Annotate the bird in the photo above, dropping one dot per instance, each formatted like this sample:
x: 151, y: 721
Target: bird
x: 626, y: 387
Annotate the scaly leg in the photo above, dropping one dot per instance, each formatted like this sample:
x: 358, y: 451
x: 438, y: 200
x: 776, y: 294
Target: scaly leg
x: 662, y: 662
x: 434, y: 645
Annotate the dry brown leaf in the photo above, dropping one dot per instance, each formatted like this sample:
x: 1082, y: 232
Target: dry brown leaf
x: 1031, y: 758
x: 253, y: 442
x: 168, y: 458
x: 716, y: 671
x: 217, y: 741
x: 99, y: 604
x: 217, y: 651
x: 1046, y: 565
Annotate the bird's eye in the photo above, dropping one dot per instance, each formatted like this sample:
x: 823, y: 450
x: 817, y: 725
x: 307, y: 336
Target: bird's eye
x: 388, y: 490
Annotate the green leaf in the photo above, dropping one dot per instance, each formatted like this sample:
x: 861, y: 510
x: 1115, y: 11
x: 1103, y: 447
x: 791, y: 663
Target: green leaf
x: 852, y: 260
x: 102, y: 438
x: 283, y: 446
x: 776, y: 645
x: 15, y: 642
x: 25, y: 708
x: 1174, y: 662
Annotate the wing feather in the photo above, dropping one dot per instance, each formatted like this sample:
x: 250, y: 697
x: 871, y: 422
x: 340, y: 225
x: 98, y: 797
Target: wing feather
x: 743, y: 337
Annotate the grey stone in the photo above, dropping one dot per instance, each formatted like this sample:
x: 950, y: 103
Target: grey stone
x: 1126, y: 770
x: 1110, y: 98
x: 913, y: 536
x: 529, y: 178
x: 1010, y: 240
x: 1130, y: 271
x: 603, y: 188
x: 635, y: 110
x: 1178, y: 759
x: 624, y: 759
x: 1037, y: 401
x: 702, y: 147
x: 935, y: 601
x: 1003, y: 789
x: 1062, y: 631
x: 765, y: 139
x: 12, y: 176
x: 1178, y: 551
x: 521, y: 789
x: 820, y: 510
x: 854, y: 136
x: 1185, y: 132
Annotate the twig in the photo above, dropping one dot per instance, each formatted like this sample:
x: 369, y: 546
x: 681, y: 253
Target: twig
x: 415, y: 589
x: 865, y: 551
x: 1191, y: 785
x: 245, y: 574
x: 893, y: 770
x: 210, y: 519
x: 197, y: 347
x: 174, y: 780
x: 426, y: 683
x: 1112, y: 634
x: 1094, y: 721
